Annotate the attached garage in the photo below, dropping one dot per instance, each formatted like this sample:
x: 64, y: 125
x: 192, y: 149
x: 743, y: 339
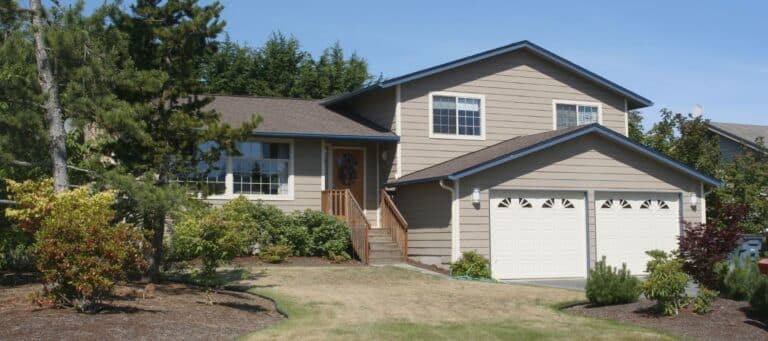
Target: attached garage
x: 549, y: 205
x: 538, y: 234
x: 628, y: 224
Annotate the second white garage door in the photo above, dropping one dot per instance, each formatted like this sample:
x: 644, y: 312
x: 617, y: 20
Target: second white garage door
x: 538, y: 234
x: 628, y: 224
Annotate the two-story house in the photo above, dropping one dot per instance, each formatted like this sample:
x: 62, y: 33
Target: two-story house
x: 515, y: 152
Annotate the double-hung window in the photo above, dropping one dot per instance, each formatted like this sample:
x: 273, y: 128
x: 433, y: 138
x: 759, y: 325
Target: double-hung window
x: 456, y: 116
x: 571, y: 114
x: 261, y: 170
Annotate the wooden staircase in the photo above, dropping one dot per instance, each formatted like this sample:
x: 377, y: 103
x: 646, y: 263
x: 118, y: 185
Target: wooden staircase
x: 387, y: 244
x: 383, y: 250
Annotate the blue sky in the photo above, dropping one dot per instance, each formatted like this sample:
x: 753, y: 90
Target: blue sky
x: 677, y: 53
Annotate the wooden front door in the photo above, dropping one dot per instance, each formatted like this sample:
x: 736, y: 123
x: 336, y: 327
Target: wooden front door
x: 349, y: 171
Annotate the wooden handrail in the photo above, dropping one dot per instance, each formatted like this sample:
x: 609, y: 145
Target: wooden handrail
x: 392, y: 220
x: 342, y: 204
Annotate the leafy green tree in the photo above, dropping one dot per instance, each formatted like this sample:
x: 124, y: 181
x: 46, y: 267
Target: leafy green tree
x: 686, y: 139
x: 746, y: 182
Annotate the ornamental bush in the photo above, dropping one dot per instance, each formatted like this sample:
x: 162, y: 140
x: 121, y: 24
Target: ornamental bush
x: 607, y: 285
x: 759, y: 299
x: 80, y: 252
x: 215, y: 235
x: 702, y: 246
x: 666, y: 283
x: 275, y: 253
x: 702, y: 303
x: 471, y: 264
x: 740, y: 279
x: 330, y: 237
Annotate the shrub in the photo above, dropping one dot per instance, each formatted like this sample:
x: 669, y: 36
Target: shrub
x: 740, y: 279
x: 666, y: 282
x: 607, y: 285
x: 702, y: 246
x: 702, y: 303
x: 330, y: 236
x: 15, y: 249
x: 275, y: 253
x: 471, y: 264
x: 759, y: 299
x: 80, y: 253
x: 215, y: 235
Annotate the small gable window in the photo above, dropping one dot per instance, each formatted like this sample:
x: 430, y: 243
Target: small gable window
x: 571, y: 114
x: 456, y: 116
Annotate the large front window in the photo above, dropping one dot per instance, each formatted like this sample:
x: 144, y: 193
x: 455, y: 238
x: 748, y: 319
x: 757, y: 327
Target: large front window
x: 575, y: 114
x: 456, y: 116
x: 261, y: 170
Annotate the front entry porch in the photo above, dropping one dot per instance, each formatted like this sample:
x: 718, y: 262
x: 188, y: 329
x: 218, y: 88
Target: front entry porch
x: 384, y: 245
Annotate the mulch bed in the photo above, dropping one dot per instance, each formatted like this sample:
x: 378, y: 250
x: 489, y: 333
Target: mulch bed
x: 729, y: 320
x: 174, y: 312
x: 294, y: 261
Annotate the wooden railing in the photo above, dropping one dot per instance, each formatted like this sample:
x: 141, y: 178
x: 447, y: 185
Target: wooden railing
x: 392, y: 220
x: 342, y: 204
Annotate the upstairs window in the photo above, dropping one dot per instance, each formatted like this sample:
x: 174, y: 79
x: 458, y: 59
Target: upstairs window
x: 457, y: 116
x: 572, y: 114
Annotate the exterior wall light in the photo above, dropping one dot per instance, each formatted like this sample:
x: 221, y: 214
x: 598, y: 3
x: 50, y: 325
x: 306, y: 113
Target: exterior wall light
x: 694, y: 199
x: 476, y: 196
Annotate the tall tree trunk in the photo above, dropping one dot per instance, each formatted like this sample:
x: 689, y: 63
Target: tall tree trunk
x: 53, y: 113
x: 156, y: 222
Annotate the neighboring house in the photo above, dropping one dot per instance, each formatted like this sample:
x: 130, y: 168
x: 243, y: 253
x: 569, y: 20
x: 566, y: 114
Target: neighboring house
x: 736, y: 138
x: 515, y: 152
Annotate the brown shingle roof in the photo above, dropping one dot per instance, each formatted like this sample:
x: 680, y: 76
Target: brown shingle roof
x: 523, y: 145
x: 296, y: 117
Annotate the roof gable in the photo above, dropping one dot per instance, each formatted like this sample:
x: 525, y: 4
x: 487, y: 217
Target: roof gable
x: 506, y: 151
x: 634, y: 100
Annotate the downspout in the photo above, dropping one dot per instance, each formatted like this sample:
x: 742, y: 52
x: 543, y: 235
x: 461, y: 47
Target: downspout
x: 455, y: 225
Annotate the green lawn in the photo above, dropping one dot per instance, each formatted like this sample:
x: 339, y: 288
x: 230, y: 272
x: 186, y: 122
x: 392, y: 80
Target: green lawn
x: 357, y: 303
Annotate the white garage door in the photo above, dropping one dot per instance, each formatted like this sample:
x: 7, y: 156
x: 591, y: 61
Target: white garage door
x: 628, y: 224
x: 538, y: 234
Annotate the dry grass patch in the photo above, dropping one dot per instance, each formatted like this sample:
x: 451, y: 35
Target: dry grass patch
x: 392, y: 303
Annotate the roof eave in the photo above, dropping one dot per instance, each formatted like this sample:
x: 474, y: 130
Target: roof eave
x: 635, y: 101
x: 560, y: 139
x: 735, y: 138
x: 303, y: 135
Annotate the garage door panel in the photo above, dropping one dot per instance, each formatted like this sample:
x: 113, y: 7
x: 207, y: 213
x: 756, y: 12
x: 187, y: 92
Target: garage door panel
x: 538, y: 234
x: 628, y: 224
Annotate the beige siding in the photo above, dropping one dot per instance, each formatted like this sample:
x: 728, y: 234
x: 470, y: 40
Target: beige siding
x: 519, y: 89
x: 586, y: 164
x: 377, y: 106
x: 427, y: 209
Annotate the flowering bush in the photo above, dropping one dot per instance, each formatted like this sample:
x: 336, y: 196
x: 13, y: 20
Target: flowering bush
x: 79, y: 251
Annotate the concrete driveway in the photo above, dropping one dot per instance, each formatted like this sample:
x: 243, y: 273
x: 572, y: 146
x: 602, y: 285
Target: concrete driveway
x: 579, y: 284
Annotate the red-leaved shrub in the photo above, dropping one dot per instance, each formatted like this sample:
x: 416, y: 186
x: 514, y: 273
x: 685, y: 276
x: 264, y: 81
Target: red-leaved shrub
x: 702, y: 246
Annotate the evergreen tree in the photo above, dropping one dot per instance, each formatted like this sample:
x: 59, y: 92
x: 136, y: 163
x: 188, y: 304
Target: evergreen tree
x: 635, y: 125
x: 281, y: 68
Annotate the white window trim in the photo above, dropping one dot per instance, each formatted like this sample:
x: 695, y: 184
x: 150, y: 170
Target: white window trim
x: 456, y: 136
x: 229, y: 178
x: 555, y: 102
